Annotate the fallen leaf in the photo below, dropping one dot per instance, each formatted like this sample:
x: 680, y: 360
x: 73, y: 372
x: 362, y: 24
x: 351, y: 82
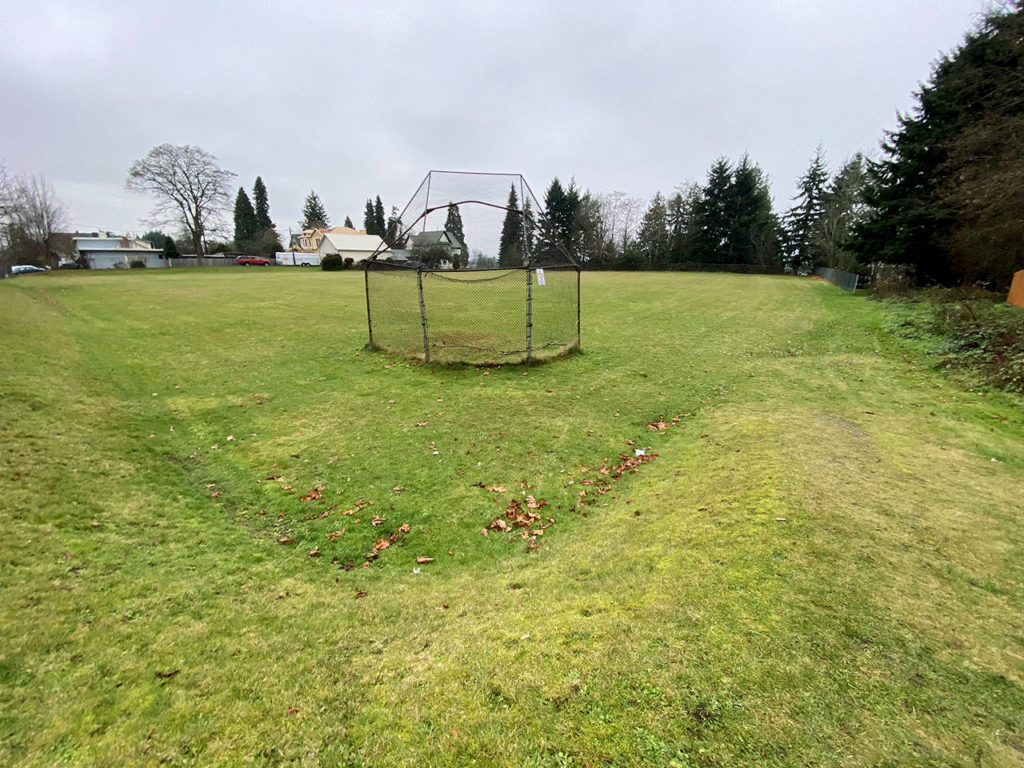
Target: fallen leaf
x: 377, y: 521
x: 496, y: 488
x: 483, y: 531
x: 314, y: 552
x: 286, y: 540
x: 421, y: 423
x: 403, y: 528
x: 360, y: 593
x: 167, y: 675
x: 332, y: 459
x: 293, y: 710
x: 214, y: 447
x: 335, y: 534
x: 286, y: 487
x: 398, y: 489
x: 424, y: 559
x: 230, y: 438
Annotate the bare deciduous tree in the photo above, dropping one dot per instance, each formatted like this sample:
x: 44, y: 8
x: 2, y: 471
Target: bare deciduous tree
x: 621, y: 215
x: 191, y: 189
x: 29, y: 214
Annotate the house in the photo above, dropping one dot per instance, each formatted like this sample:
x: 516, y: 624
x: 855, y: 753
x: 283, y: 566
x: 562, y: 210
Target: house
x: 308, y: 240
x: 358, y: 247
x: 102, y: 250
x: 439, y: 239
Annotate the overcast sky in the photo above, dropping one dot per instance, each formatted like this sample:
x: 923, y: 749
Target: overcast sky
x: 356, y: 99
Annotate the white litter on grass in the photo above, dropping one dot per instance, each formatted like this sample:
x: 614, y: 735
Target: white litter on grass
x: 639, y: 451
x: 415, y: 570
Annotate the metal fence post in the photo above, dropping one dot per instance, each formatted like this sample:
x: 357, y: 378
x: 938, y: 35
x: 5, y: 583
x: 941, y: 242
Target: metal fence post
x: 578, y: 271
x: 529, y: 314
x: 423, y: 316
x: 366, y: 281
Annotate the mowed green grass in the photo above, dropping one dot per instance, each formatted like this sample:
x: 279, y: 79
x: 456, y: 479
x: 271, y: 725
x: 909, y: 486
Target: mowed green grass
x: 824, y: 565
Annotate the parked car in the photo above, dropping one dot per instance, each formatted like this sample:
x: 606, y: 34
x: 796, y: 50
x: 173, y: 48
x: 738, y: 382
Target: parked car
x: 254, y: 261
x: 25, y: 269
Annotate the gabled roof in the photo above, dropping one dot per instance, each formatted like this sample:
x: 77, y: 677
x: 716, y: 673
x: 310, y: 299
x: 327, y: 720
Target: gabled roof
x: 368, y: 243
x: 434, y: 237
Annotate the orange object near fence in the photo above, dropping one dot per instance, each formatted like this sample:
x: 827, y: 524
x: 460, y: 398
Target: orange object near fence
x: 1017, y: 289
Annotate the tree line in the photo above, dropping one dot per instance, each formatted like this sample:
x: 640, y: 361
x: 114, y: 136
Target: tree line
x: 942, y: 199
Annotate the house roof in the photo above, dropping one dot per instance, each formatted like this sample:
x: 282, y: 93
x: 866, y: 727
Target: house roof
x: 368, y: 243
x: 434, y: 237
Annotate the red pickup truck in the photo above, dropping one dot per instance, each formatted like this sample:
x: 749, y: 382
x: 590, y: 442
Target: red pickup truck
x: 254, y: 261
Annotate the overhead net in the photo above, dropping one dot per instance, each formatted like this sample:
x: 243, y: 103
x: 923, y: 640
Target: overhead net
x: 474, y: 272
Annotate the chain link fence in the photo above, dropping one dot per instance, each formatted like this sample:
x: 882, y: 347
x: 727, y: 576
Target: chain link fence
x: 478, y: 276
x: 846, y: 280
x: 474, y: 316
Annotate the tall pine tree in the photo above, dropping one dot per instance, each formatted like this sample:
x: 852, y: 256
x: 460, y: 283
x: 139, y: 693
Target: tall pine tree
x: 380, y: 224
x: 800, y: 220
x: 370, y: 220
x: 262, y: 205
x: 947, y: 194
x: 753, y: 233
x: 510, y: 247
x: 314, y: 215
x: 246, y: 226
x: 653, y: 237
x: 710, y: 241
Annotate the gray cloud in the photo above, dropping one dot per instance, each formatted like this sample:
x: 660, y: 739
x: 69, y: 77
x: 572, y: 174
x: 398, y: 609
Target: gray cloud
x: 357, y: 99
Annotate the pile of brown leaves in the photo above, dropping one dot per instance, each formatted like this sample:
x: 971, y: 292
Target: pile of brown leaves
x: 612, y: 472
x: 529, y: 523
x: 385, y: 542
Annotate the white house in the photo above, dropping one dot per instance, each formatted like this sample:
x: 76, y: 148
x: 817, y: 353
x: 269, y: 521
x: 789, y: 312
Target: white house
x: 356, y: 247
x: 105, y: 251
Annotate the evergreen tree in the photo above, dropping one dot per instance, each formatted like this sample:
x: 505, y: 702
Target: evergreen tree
x: 394, y: 236
x: 261, y: 204
x: 842, y: 210
x: 267, y: 241
x: 947, y: 195
x: 653, y: 237
x: 711, y: 237
x: 529, y: 228
x: 246, y: 228
x: 753, y: 230
x: 453, y: 224
x: 801, y: 220
x: 348, y: 223
x: 370, y: 220
x: 156, y: 238
x: 380, y: 224
x: 592, y: 239
x: 170, y: 248
x: 314, y: 216
x: 510, y: 247
x: 559, y: 208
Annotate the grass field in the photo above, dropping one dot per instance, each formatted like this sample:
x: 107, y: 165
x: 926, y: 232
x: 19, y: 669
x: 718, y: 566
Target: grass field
x: 823, y: 565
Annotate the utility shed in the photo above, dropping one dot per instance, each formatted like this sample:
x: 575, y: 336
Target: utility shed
x: 1017, y: 289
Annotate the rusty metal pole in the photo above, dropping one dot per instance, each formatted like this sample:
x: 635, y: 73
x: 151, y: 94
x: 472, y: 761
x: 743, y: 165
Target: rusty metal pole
x: 423, y: 316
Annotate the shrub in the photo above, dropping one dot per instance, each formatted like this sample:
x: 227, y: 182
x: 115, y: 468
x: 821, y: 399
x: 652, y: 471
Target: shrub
x: 969, y: 331
x: 349, y: 261
x: 138, y: 264
x: 332, y: 262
